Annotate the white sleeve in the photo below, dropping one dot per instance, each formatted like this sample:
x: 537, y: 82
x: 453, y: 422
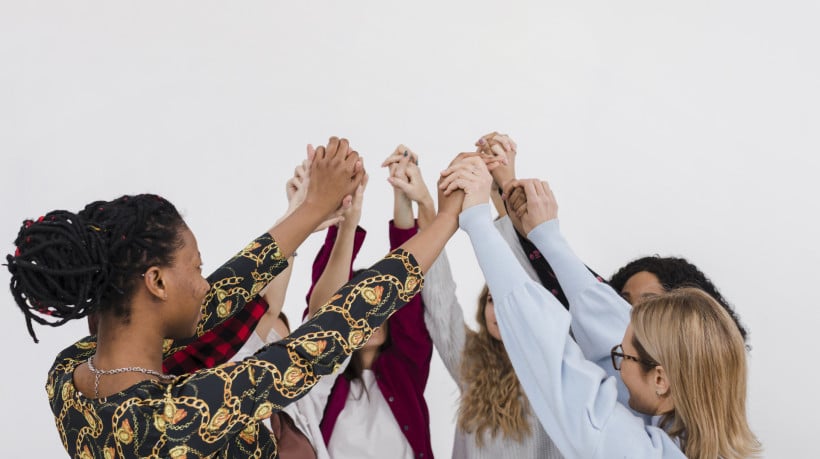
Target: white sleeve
x: 599, y: 314
x: 572, y: 397
x: 507, y: 230
x: 443, y: 315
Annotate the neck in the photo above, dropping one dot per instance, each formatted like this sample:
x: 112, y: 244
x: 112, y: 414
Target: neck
x: 368, y: 356
x: 121, y: 344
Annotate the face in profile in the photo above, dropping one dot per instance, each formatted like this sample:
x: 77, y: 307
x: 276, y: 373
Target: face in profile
x: 185, y: 287
x: 489, y: 318
x: 378, y: 337
x: 639, y: 383
x: 640, y: 286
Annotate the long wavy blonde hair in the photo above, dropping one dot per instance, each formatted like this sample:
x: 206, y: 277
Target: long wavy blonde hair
x: 493, y: 401
x: 703, y: 354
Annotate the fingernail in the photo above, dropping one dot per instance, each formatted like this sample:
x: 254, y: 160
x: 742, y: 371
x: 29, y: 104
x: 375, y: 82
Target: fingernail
x: 481, y: 141
x: 405, y: 152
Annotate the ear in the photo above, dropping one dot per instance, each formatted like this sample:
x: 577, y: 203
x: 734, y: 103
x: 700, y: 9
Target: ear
x: 660, y: 381
x: 154, y: 282
x: 660, y: 384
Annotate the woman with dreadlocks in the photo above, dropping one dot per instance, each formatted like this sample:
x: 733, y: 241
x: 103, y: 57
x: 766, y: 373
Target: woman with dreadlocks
x: 135, y: 263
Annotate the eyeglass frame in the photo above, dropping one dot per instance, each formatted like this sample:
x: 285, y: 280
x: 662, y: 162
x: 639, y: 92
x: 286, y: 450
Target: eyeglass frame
x: 613, y: 353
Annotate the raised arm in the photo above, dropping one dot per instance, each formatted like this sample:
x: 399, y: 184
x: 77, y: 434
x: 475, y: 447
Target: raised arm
x: 283, y: 371
x: 242, y: 277
x: 411, y: 346
x: 599, y: 315
x: 573, y: 398
x: 337, y: 270
x: 408, y: 187
x: 443, y: 315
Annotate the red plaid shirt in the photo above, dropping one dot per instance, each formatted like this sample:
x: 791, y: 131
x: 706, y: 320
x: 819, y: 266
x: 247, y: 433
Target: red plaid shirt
x: 219, y: 344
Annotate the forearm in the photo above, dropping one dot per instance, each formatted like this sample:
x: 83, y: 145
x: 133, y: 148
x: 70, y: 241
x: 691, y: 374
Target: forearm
x: 572, y: 398
x: 277, y: 289
x: 402, y: 211
x: 498, y: 203
x: 443, y: 315
x: 426, y: 245
x: 274, y: 294
x: 599, y: 314
x: 337, y: 270
x: 427, y: 212
x: 292, y: 230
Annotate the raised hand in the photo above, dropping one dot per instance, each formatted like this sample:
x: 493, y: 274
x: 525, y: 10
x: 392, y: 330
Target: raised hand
x: 401, y: 152
x: 531, y: 202
x: 468, y: 172
x: 352, y: 214
x: 499, y: 144
x: 296, y: 190
x: 296, y: 186
x: 408, y: 187
x: 335, y: 171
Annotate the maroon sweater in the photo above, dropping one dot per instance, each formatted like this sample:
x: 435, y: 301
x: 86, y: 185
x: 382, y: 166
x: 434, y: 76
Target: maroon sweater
x: 401, y: 369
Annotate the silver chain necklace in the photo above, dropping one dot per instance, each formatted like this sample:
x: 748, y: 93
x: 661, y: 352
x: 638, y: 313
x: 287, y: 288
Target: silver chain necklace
x: 97, y: 373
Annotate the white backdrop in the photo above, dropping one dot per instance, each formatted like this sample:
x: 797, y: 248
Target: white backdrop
x: 685, y: 128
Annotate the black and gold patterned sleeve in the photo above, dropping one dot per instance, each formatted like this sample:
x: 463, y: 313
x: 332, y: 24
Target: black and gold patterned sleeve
x: 224, y: 402
x: 234, y: 284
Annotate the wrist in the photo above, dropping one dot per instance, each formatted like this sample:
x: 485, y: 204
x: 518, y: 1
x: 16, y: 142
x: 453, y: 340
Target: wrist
x: 448, y: 221
x: 348, y: 225
x: 426, y: 203
x: 309, y: 212
x: 501, y: 176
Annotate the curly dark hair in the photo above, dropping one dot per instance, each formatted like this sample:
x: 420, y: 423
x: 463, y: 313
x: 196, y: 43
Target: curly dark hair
x: 68, y: 265
x: 673, y: 273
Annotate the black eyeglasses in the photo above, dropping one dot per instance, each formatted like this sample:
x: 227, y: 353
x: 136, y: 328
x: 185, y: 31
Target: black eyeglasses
x: 618, y: 357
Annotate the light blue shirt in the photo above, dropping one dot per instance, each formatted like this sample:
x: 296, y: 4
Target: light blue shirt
x: 574, y: 398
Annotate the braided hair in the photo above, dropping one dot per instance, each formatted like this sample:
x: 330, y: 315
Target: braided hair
x: 68, y: 265
x: 674, y: 273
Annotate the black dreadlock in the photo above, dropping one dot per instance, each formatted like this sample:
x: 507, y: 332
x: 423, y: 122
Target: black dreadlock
x: 67, y: 265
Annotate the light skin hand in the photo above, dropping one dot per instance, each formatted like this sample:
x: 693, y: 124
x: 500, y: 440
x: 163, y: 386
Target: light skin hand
x: 417, y: 191
x: 396, y: 164
x: 400, y: 152
x: 410, y: 182
x: 352, y: 215
x: 469, y: 173
x: 499, y: 144
x: 408, y: 186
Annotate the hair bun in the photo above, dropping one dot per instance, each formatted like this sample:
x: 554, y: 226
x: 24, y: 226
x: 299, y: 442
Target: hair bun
x: 61, y: 264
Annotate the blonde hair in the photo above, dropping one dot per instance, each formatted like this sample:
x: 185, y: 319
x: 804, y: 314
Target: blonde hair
x: 702, y: 352
x: 493, y: 401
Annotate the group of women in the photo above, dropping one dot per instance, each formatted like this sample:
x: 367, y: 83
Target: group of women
x: 563, y: 364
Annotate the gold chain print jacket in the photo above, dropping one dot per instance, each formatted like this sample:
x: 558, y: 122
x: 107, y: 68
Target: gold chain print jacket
x: 218, y: 412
